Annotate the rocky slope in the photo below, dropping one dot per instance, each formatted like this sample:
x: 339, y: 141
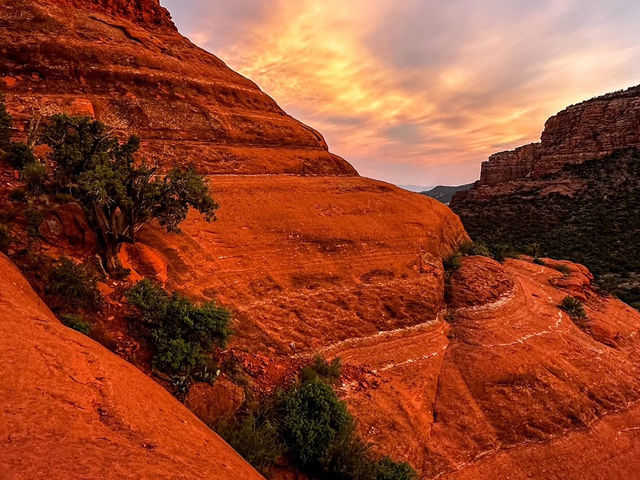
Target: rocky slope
x: 69, y: 408
x: 314, y: 259
x: 125, y: 62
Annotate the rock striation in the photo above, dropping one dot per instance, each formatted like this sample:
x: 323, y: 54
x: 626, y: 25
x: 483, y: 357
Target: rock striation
x: 69, y: 408
x: 124, y: 62
x: 591, y: 129
x: 144, y: 12
x: 492, y: 379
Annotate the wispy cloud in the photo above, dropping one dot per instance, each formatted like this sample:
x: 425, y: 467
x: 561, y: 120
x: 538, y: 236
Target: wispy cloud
x: 421, y: 91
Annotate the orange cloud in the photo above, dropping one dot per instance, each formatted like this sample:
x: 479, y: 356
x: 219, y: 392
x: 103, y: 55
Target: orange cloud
x: 421, y: 92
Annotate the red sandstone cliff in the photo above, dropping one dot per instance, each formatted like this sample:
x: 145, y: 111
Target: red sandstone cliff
x: 123, y: 61
x: 69, y: 408
x: 591, y: 129
x: 342, y: 265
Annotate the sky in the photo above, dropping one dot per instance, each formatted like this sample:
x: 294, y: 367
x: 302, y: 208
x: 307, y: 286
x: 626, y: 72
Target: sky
x: 422, y: 91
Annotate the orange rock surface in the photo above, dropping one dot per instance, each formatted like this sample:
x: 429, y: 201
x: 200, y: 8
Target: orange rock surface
x: 490, y: 380
x: 71, y: 409
x: 123, y: 61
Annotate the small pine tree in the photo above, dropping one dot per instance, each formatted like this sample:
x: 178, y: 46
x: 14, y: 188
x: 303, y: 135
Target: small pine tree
x: 118, y: 193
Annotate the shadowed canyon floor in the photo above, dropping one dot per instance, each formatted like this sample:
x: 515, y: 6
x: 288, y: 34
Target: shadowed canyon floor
x: 484, y: 377
x: 71, y: 409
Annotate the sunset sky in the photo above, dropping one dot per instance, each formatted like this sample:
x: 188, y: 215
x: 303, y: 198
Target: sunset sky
x: 422, y: 91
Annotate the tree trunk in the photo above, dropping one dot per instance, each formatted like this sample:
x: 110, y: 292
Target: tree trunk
x: 112, y: 261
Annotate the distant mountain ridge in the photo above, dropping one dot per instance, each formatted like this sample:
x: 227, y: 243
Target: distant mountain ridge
x: 444, y: 193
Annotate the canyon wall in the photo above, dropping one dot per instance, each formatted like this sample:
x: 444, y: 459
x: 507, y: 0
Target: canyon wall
x: 123, y: 62
x: 591, y: 129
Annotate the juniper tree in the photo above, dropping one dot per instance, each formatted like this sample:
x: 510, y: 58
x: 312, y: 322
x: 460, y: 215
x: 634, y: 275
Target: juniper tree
x: 119, y: 193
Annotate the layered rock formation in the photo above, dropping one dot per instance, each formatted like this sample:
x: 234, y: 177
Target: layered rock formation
x: 69, y: 408
x: 124, y: 62
x: 592, y: 129
x: 340, y: 265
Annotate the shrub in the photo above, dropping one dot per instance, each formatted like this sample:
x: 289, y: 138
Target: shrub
x: 452, y: 263
x: 181, y: 332
x: 387, y: 469
x: 573, y: 307
x: 34, y: 218
x: 181, y: 385
x: 19, y: 155
x: 562, y: 269
x: 320, y: 368
x: 475, y: 248
x: 118, y: 193
x: 312, y: 426
x: 313, y: 419
x: 255, y: 438
x: 73, y: 286
x: 503, y: 251
x: 34, y: 175
x: 76, y: 322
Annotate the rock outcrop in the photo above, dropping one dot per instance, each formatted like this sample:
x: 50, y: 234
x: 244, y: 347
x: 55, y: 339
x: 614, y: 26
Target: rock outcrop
x: 122, y: 61
x: 316, y: 260
x: 69, y: 408
x: 144, y: 12
x: 591, y: 129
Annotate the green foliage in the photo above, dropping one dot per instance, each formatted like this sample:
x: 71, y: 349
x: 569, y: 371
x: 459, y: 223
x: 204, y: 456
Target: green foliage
x: 311, y: 425
x: 118, y: 193
x: 181, y: 332
x: 73, y: 286
x: 254, y: 437
x: 597, y: 226
x: 387, y: 469
x: 320, y: 368
x: 502, y: 251
x: 19, y: 155
x: 34, y: 175
x: 181, y: 385
x: 453, y: 262
x: 475, y: 248
x: 34, y: 218
x: 314, y: 418
x: 5, y: 126
x: 573, y: 307
x: 77, y: 322
x: 562, y: 269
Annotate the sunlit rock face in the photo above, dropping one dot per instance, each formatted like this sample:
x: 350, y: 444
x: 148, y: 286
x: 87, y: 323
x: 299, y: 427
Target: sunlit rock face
x: 124, y: 62
x: 313, y: 259
x: 72, y: 409
x: 592, y: 129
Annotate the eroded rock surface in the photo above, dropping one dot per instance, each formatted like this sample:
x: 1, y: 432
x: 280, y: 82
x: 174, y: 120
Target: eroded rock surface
x: 315, y: 260
x: 124, y: 62
x: 71, y: 409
